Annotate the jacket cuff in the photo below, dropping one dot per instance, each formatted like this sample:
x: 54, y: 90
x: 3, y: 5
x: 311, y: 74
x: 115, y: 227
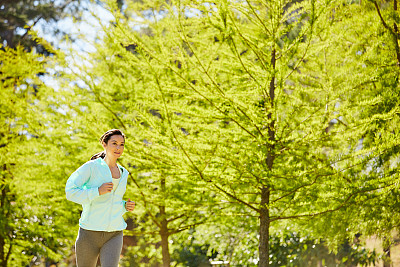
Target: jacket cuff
x: 124, y: 204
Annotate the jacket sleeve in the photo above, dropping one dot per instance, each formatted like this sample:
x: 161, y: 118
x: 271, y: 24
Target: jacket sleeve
x: 124, y: 206
x: 76, y: 189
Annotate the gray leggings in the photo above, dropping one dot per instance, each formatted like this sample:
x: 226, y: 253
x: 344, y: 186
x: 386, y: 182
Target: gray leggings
x: 89, y: 244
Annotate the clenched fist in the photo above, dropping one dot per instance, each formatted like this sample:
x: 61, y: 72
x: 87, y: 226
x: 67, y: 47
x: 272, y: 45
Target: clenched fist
x: 130, y: 205
x: 105, y: 188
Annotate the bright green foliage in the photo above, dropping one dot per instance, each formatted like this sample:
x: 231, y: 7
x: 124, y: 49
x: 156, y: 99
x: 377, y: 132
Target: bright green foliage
x: 365, y: 62
x: 34, y: 223
x: 221, y: 100
x: 374, y: 58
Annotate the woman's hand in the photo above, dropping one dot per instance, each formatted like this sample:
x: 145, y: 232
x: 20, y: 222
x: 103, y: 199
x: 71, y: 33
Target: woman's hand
x: 105, y: 188
x: 130, y: 205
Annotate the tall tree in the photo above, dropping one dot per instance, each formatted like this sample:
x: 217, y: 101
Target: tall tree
x: 113, y: 95
x: 266, y: 122
x: 373, y: 56
x: 32, y: 227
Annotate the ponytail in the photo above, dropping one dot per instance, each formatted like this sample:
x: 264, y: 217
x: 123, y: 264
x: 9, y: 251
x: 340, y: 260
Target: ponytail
x: 101, y: 154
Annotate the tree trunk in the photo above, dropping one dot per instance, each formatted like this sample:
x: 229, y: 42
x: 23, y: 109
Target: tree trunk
x: 394, y: 32
x: 265, y: 190
x: 164, y: 238
x: 386, y: 252
x: 164, y: 232
x: 396, y: 35
x: 3, y: 261
x: 264, y: 229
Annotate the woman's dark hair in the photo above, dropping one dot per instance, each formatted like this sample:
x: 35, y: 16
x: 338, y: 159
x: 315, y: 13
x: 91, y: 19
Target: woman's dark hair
x: 104, y: 138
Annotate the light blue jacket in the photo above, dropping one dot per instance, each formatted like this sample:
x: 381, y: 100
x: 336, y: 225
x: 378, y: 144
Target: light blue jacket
x: 100, y: 212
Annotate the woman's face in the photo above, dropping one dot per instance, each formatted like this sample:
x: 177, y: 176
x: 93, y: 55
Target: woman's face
x: 114, y: 146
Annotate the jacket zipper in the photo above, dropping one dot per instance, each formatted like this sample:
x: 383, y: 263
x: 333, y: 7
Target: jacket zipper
x: 109, y: 215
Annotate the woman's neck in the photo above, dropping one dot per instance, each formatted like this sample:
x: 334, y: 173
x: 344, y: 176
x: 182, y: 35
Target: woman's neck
x: 111, y: 162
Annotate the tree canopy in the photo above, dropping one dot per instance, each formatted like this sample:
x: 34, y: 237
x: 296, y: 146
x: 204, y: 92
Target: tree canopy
x: 243, y: 118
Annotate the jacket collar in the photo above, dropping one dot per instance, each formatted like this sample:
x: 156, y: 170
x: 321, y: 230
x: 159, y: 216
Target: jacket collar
x: 103, y: 164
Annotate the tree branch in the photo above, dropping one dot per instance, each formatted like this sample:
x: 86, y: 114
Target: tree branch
x: 347, y: 200
x: 393, y: 32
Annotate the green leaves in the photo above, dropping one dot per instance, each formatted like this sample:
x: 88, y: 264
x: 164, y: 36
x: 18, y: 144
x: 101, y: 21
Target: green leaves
x: 31, y: 160
x: 295, y: 142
